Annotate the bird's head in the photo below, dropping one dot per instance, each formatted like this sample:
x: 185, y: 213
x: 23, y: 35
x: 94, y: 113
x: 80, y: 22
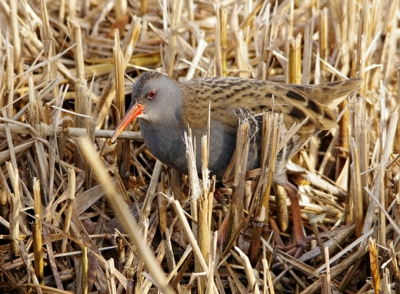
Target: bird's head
x: 155, y: 99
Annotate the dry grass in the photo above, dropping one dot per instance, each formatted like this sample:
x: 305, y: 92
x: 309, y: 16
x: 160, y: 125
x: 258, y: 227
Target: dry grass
x: 63, y: 86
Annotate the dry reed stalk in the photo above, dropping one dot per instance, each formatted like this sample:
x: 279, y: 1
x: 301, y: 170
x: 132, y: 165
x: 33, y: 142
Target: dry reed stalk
x: 281, y: 208
x: 212, y: 265
x: 194, y: 184
x: 269, y: 142
x: 205, y: 204
x: 120, y: 8
x: 108, y: 93
x: 239, y: 181
x: 37, y: 233
x: 335, y: 238
x: 123, y: 148
x: 346, y: 24
x: 147, y: 283
x: 71, y: 201
x: 176, y: 186
x: 4, y: 206
x: 29, y: 268
x: 85, y: 270
x: 373, y: 255
x: 268, y: 283
x: 329, y: 155
x: 384, y: 213
x: 200, y: 203
x: 190, y: 11
x: 328, y: 274
x: 397, y: 141
x: 293, y: 75
x: 186, y: 257
x: 288, y: 37
x: 162, y: 212
x: 150, y: 195
x: 394, y: 262
x: 111, y: 278
x: 126, y: 219
x: 81, y: 101
x: 335, y: 271
x: 16, y: 40
x: 15, y: 210
x: 290, y: 262
x: 307, y: 157
x: 191, y: 237
x: 201, y: 46
x: 305, y: 79
x: 307, y: 52
x: 10, y: 142
x: 240, y: 47
x: 224, y: 40
x: 128, y: 262
x: 357, y: 190
x: 261, y: 39
x: 218, y: 44
x: 48, y: 45
x: 350, y: 274
x: 294, y: 61
x: 354, y: 244
x: 289, y: 134
x: 377, y: 190
x: 46, y: 130
x: 71, y: 4
x: 9, y: 78
x: 51, y: 258
x: 235, y: 284
x: 325, y: 286
x: 323, y: 40
x: 363, y: 135
x: 144, y: 4
x: 253, y: 287
x: 172, y: 38
x: 285, y: 259
x: 249, y: 17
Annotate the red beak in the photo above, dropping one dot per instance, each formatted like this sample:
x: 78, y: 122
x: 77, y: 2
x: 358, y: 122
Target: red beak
x: 134, y: 111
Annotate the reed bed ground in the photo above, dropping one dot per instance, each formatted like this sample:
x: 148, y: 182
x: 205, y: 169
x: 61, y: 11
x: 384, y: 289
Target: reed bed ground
x: 81, y: 215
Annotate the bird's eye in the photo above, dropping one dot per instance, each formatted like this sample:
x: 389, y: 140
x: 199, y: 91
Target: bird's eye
x: 152, y: 94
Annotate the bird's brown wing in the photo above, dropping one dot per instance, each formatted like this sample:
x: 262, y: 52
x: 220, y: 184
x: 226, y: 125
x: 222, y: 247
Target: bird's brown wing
x: 330, y: 94
x: 230, y: 97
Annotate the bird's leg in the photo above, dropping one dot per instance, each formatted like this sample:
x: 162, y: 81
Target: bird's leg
x: 298, y: 233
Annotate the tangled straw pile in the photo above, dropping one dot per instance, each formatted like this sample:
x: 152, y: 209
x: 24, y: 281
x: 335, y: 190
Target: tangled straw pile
x: 64, y: 72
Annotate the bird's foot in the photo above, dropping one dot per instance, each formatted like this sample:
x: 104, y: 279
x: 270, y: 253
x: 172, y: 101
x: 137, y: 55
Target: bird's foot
x: 298, y: 240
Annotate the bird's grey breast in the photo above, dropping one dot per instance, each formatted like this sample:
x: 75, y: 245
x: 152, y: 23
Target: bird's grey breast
x: 166, y: 144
